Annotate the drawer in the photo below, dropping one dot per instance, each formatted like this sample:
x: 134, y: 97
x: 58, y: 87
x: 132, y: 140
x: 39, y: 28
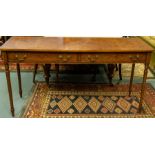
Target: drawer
x: 100, y: 58
x: 42, y: 57
x: 69, y: 58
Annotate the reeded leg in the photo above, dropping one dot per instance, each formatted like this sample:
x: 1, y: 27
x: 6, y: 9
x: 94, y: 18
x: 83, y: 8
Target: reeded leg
x: 7, y: 71
x: 120, y: 71
x: 131, y: 78
x: 35, y: 72
x: 143, y: 87
x: 110, y: 73
x: 46, y: 68
x: 19, y: 80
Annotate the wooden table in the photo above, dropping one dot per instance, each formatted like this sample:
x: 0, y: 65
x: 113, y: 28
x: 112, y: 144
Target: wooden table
x: 59, y: 50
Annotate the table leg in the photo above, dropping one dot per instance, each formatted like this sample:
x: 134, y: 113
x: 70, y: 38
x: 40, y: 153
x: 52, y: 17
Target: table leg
x: 7, y: 71
x: 111, y: 68
x: 131, y: 78
x: 143, y: 86
x: 46, y: 68
x: 35, y: 72
x: 19, y: 80
x: 120, y: 71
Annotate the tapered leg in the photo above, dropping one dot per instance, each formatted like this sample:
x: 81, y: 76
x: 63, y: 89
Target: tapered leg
x: 46, y: 68
x: 35, y: 72
x: 19, y: 80
x: 131, y: 78
x: 7, y: 71
x: 120, y: 71
x: 143, y: 86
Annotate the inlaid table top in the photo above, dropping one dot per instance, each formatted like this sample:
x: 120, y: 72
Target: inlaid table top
x: 75, y: 44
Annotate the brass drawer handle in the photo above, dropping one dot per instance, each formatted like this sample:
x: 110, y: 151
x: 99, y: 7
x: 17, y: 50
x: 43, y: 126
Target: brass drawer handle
x: 92, y: 58
x: 64, y: 58
x: 21, y: 59
x: 60, y: 56
x: 134, y: 57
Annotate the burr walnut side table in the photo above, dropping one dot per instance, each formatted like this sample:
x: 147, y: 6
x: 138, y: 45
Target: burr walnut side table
x: 76, y: 50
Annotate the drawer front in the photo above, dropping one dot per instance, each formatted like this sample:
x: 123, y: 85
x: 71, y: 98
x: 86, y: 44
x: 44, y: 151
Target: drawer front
x: 69, y: 58
x: 42, y: 58
x: 113, y: 58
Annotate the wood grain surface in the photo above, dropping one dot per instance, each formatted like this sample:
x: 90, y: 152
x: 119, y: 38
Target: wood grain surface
x: 75, y: 44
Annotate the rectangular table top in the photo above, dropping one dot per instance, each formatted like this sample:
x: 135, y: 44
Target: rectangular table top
x: 75, y: 44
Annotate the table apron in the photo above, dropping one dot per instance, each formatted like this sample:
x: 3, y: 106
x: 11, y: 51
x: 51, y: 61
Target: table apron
x: 75, y: 58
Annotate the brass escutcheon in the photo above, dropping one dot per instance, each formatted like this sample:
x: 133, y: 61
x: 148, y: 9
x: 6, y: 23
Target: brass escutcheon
x: 21, y: 59
x: 134, y: 57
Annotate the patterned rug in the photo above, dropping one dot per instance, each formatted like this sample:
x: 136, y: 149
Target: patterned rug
x: 89, y: 101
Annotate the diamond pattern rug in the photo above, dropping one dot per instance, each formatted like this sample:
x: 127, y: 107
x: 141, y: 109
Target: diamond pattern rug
x: 89, y: 101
